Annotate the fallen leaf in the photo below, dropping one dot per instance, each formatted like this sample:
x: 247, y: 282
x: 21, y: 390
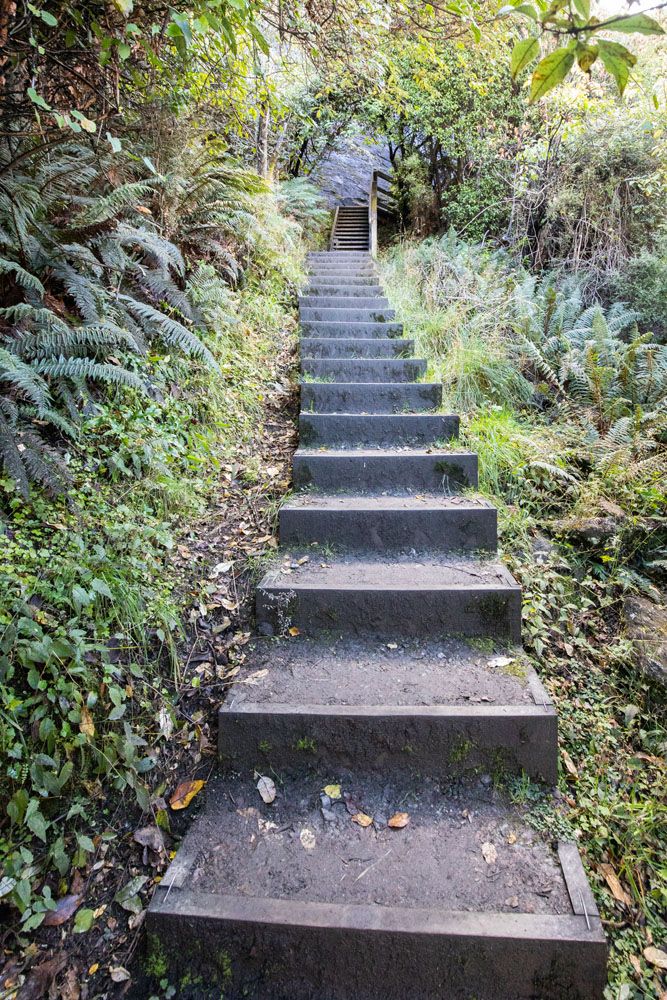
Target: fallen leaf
x: 93, y: 969
x: 83, y: 921
x: 41, y: 978
x: 267, y: 789
x: 185, y: 793
x: 119, y: 974
x: 255, y: 677
x: 136, y: 920
x: 511, y: 837
x: 223, y: 567
x: 128, y: 896
x: 657, y: 957
x: 294, y: 630
x: 166, y: 723
x: 501, y: 661
x: 151, y: 837
x: 392, y: 645
x: 399, y: 820
x: 65, y: 908
x: 333, y: 791
x: 307, y: 838
x: 613, y: 881
x: 569, y: 765
x: 361, y: 819
x: 7, y: 885
x: 489, y: 853
x: 86, y: 724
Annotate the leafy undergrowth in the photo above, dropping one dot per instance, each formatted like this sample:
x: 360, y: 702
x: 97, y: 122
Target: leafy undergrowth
x: 548, y: 389
x: 123, y: 618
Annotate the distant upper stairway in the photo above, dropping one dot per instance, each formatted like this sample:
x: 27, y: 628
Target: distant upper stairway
x: 355, y: 226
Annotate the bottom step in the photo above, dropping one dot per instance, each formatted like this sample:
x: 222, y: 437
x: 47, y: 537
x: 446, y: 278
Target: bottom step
x: 297, y: 901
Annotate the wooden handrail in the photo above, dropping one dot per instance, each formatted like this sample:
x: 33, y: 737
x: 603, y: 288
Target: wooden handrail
x: 333, y: 228
x: 377, y: 194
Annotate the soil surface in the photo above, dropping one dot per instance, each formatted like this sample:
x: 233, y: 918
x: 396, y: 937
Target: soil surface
x: 464, y: 847
x: 303, y: 671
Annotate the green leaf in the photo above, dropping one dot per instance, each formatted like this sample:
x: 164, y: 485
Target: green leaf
x: 583, y: 8
x: 523, y: 54
x: 114, y: 142
x: 35, y: 821
x: 528, y: 10
x: 617, y: 60
x: 83, y: 921
x: 124, y: 7
x: 102, y: 587
x: 48, y: 18
x: 586, y: 56
x: 550, y: 71
x: 124, y: 51
x: 85, y: 843
x: 36, y: 99
x: 640, y: 24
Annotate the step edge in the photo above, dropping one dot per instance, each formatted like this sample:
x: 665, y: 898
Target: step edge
x: 504, y: 711
x: 424, y: 922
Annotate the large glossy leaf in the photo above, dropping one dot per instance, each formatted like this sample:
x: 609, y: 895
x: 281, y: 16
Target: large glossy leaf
x: 635, y: 24
x: 583, y: 8
x: 523, y: 54
x: 617, y: 60
x: 550, y: 71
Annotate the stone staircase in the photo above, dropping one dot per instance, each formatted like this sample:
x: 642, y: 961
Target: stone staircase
x: 387, y: 698
x: 350, y: 229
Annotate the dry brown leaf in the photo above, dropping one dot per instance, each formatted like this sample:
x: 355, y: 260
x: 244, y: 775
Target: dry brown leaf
x: 119, y: 974
x: 511, y: 837
x: 307, y: 838
x: 185, y: 793
x: 255, y: 677
x: 613, y: 881
x: 65, y: 908
x: 399, y: 820
x: 361, y: 819
x: 489, y: 852
x: 657, y: 957
x: 150, y: 836
x: 86, y: 724
x: 569, y: 765
x: 266, y: 788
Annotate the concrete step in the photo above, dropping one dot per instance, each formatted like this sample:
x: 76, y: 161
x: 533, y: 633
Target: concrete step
x: 354, y: 347
x: 340, y: 290
x: 361, y: 331
x: 376, y: 469
x: 352, y: 282
x: 340, y: 315
x: 333, y: 256
x: 359, y: 596
x: 364, y: 370
x: 356, y: 269
x: 376, y: 303
x: 275, y: 902
x: 437, y: 708
x: 381, y: 523
x: 369, y: 430
x: 370, y: 397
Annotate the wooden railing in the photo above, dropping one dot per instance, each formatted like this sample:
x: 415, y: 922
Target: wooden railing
x: 380, y: 199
